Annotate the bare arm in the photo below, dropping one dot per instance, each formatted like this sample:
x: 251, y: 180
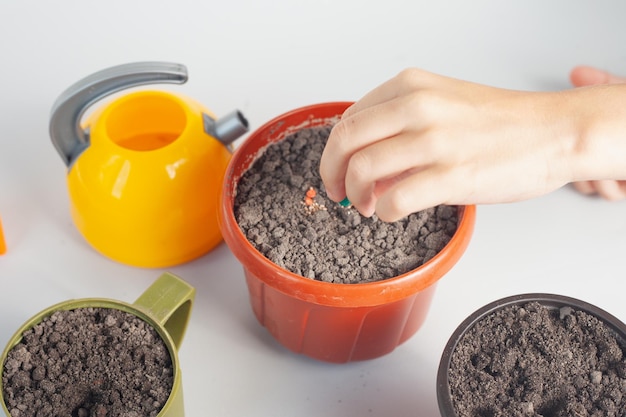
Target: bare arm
x: 422, y: 139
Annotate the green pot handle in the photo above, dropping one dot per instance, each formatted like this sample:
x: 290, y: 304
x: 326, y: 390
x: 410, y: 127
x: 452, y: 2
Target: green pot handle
x: 168, y: 301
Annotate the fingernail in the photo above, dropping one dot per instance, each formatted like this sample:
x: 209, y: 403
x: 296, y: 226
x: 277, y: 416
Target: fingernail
x: 345, y: 202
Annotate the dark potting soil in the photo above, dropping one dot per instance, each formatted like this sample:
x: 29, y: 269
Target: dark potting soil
x: 88, y: 362
x: 535, y: 361
x: 282, y: 209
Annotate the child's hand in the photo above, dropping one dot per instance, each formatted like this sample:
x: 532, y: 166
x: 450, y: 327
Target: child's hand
x: 421, y: 139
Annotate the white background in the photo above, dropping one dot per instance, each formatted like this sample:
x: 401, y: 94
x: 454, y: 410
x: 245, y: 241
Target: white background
x: 266, y: 58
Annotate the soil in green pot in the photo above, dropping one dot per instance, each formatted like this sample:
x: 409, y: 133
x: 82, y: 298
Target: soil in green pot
x: 532, y: 361
x: 282, y: 209
x: 88, y: 362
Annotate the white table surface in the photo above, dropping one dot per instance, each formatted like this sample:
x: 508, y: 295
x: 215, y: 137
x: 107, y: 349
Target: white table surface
x: 265, y: 58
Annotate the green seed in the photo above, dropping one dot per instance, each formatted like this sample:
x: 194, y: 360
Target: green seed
x: 345, y: 202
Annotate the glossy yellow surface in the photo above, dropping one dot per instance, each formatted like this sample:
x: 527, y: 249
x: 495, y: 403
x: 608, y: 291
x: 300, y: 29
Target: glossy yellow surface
x: 145, y: 191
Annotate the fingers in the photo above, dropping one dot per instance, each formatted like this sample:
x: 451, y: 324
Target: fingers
x: 584, y: 187
x: 394, y: 107
x: 610, y: 190
x: 418, y: 191
x: 353, y: 133
x: 582, y: 76
x: 402, y: 104
x: 374, y: 169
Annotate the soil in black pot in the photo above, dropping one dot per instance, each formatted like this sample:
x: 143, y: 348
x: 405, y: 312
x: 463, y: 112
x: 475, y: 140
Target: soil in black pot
x: 88, y: 362
x: 532, y: 360
x: 282, y: 209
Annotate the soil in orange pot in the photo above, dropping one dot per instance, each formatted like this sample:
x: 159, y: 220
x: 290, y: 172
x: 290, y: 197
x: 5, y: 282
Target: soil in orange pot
x: 282, y: 209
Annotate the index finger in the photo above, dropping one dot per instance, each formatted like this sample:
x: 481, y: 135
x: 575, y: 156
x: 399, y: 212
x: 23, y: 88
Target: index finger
x: 353, y: 133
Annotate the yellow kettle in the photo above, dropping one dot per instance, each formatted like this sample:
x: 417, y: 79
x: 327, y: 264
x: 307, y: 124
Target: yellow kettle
x: 144, y: 170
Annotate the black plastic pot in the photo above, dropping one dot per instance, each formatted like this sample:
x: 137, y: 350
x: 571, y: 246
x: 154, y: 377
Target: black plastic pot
x: 444, y: 396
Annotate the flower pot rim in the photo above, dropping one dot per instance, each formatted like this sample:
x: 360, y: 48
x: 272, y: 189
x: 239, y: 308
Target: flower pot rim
x: 549, y: 300
x: 326, y: 293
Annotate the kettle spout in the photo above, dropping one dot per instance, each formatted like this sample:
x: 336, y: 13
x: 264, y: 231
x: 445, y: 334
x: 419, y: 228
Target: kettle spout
x: 226, y: 129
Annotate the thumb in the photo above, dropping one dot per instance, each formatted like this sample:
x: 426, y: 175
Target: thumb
x: 582, y: 76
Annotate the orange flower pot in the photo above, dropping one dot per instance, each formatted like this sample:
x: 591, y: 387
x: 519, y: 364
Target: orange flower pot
x: 328, y: 321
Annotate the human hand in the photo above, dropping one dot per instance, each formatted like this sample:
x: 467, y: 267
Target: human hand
x: 613, y: 190
x: 422, y: 139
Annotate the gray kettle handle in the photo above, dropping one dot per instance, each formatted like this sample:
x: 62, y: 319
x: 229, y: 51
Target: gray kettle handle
x: 67, y: 135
